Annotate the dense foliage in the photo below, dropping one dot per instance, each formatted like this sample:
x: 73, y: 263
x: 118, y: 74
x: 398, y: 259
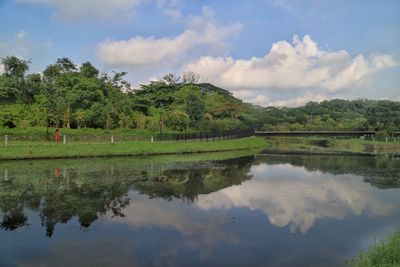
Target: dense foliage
x: 65, y: 95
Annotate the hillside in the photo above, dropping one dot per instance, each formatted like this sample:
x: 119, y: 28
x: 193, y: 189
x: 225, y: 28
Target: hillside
x: 64, y: 95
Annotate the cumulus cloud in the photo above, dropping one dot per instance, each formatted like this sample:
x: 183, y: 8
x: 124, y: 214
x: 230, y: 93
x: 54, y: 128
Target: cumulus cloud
x: 77, y: 10
x: 301, y: 64
x: 292, y: 196
x: 202, y: 36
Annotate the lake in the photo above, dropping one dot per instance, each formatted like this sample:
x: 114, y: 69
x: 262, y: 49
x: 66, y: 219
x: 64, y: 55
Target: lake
x: 196, y: 210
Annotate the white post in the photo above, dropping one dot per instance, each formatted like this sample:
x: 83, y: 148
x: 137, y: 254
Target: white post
x: 112, y: 139
x: 6, y: 140
x: 64, y: 139
x: 152, y: 139
x: 6, y: 175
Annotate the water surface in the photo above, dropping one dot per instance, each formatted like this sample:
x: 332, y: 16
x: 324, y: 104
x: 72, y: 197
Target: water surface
x: 196, y: 211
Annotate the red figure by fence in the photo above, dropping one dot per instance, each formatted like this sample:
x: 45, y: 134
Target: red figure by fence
x: 57, y: 136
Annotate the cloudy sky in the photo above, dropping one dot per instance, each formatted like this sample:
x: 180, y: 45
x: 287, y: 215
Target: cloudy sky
x: 268, y: 52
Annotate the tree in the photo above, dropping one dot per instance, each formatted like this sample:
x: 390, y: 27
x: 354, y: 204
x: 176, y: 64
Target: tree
x: 66, y: 64
x: 177, y: 120
x: 195, y: 110
x: 119, y: 81
x: 88, y: 70
x: 171, y: 79
x: 190, y: 77
x: 15, y: 70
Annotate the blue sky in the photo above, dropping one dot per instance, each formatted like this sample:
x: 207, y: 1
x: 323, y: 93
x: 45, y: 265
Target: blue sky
x: 268, y: 52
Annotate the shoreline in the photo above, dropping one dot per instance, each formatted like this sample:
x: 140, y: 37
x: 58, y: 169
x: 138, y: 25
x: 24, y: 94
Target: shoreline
x: 330, y: 146
x: 124, y: 155
x: 322, y: 153
x: 285, y: 146
x: 125, y: 149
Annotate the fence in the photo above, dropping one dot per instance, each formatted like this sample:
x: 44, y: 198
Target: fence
x: 178, y: 137
x: 205, y: 136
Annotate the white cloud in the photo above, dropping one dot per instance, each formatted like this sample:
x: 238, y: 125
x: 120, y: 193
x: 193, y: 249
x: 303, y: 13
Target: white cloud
x: 265, y: 101
x: 170, y: 9
x: 298, y: 101
x: 295, y: 197
x: 106, y: 9
x: 77, y: 10
x: 19, y: 45
x: 292, y: 66
x: 202, y: 36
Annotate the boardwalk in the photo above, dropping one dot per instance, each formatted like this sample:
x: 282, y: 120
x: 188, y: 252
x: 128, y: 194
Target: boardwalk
x: 313, y: 133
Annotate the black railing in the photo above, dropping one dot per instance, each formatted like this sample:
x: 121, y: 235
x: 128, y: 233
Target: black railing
x: 205, y: 136
x: 114, y: 138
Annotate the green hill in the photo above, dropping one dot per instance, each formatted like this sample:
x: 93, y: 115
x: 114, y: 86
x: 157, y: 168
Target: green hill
x: 66, y: 96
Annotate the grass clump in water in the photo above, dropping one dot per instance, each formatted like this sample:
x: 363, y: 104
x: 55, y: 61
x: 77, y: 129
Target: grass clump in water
x: 382, y: 254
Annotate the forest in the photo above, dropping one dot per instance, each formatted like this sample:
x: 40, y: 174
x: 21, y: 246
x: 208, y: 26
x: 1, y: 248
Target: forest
x: 66, y: 95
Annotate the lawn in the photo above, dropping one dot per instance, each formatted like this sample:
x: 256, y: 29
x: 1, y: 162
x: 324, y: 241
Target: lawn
x: 43, y: 149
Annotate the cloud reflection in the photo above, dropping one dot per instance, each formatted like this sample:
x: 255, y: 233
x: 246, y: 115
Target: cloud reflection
x: 198, y: 231
x: 293, y: 196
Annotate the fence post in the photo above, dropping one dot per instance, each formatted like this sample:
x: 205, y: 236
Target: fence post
x: 386, y: 139
x: 64, y: 139
x: 6, y: 140
x: 112, y: 139
x: 152, y: 139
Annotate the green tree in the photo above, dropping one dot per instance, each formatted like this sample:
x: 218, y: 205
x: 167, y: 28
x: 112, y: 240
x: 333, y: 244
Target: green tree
x: 195, y: 110
x: 14, y: 81
x: 177, y: 120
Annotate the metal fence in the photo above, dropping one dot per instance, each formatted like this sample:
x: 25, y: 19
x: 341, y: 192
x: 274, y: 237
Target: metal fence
x: 205, y: 136
x: 114, y: 138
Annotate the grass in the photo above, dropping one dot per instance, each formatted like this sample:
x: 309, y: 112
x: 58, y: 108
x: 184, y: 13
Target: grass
x: 40, y: 149
x: 40, y: 133
x: 321, y: 145
x: 382, y: 254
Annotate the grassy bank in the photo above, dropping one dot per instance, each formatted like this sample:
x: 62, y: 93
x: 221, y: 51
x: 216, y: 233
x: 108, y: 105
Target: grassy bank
x: 386, y: 253
x: 37, y: 150
x: 83, y: 134
x: 319, y: 145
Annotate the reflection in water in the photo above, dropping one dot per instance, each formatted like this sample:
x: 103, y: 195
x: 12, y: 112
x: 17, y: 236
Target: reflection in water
x: 183, y: 212
x: 88, y: 192
x: 381, y: 172
x: 294, y: 196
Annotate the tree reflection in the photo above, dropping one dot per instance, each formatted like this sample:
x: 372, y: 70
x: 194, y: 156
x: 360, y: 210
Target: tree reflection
x: 90, y: 191
x: 195, y: 179
x: 380, y: 172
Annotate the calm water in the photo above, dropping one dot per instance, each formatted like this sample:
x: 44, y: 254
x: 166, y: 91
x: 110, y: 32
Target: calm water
x: 190, y: 211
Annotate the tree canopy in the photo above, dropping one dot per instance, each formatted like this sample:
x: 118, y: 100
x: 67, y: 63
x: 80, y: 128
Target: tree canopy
x: 72, y: 96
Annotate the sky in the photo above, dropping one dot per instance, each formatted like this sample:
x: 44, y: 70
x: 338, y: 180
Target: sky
x: 266, y: 52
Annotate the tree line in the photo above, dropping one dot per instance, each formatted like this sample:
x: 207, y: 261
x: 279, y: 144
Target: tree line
x: 72, y: 96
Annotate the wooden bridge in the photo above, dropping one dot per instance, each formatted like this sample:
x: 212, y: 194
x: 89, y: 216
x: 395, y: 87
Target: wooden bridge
x: 314, y: 133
